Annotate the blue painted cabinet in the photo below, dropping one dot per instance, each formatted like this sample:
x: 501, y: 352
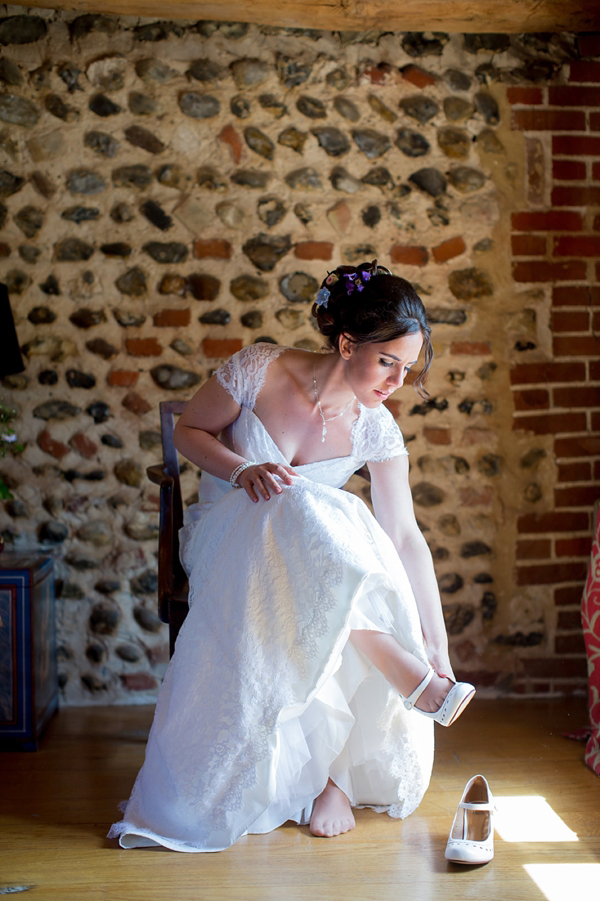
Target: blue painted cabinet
x: 28, y: 675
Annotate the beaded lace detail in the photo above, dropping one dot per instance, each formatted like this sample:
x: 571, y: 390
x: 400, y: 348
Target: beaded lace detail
x: 375, y: 434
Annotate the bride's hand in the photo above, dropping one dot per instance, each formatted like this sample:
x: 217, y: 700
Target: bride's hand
x: 264, y: 479
x: 440, y: 661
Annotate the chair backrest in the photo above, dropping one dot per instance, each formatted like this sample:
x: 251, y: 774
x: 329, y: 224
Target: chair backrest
x: 168, y: 410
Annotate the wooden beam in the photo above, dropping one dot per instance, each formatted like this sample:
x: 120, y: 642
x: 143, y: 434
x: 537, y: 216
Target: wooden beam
x: 453, y: 16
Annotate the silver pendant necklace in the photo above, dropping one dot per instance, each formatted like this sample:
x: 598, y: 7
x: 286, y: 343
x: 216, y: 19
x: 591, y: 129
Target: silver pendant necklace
x: 331, y: 418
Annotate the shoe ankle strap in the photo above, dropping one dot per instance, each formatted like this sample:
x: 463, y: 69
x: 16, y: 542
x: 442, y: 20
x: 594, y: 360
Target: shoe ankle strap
x: 484, y: 805
x: 412, y: 699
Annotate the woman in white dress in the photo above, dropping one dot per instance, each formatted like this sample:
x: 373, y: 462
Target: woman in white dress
x: 314, y: 659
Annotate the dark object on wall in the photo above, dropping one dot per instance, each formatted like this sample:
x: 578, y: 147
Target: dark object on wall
x: 11, y: 360
x: 28, y: 672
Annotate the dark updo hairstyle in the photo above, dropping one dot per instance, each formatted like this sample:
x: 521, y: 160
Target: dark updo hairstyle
x: 370, y: 305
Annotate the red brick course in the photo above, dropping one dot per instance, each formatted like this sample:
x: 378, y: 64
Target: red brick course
x: 524, y: 96
x: 573, y: 95
x: 576, y: 145
x: 541, y: 373
x: 574, y: 472
x: 576, y: 295
x: 143, y: 347
x: 547, y: 120
x: 417, y: 76
x: 528, y: 245
x: 122, y: 378
x: 531, y: 523
x: 588, y: 396
x: 550, y: 573
x: 549, y: 220
x: 409, y: 255
x: 470, y: 348
x: 536, y: 399
x: 537, y: 549
x: 51, y: 446
x: 570, y: 320
x: 437, y: 436
x: 172, y: 318
x: 569, y: 170
x: 213, y: 248
x: 543, y: 271
x: 584, y: 70
x: 448, y: 249
x: 221, y: 348
x: 551, y: 423
x: 314, y: 250
x: 83, y: 445
x: 577, y: 246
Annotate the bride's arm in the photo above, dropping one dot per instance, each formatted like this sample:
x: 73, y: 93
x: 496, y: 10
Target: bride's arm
x: 393, y: 506
x: 210, y: 410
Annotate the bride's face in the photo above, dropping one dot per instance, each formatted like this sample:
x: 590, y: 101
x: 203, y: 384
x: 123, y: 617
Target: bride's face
x: 374, y: 371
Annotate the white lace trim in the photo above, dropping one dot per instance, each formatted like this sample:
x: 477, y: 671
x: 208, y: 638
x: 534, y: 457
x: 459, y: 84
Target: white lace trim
x: 375, y: 433
x: 244, y: 373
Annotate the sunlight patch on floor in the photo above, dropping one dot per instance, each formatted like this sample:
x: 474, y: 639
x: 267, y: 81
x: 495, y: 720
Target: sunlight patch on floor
x: 529, y: 818
x: 565, y: 881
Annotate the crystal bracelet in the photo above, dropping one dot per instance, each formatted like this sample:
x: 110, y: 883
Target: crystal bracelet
x: 238, y: 471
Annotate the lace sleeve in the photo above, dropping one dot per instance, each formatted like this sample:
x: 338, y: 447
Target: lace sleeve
x: 243, y: 374
x: 379, y: 438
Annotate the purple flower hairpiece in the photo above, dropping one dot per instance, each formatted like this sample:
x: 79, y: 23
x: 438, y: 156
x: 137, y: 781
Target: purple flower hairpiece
x: 353, y: 281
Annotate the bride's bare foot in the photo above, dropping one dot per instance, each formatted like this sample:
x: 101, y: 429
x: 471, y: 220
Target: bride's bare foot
x: 435, y: 694
x: 332, y: 814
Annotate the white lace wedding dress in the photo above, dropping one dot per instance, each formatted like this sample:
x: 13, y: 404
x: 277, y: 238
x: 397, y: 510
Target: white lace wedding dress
x: 265, y: 697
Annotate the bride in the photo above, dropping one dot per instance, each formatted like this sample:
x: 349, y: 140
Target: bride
x: 314, y: 659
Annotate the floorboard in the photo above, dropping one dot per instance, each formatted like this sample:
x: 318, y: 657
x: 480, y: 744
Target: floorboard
x: 56, y: 805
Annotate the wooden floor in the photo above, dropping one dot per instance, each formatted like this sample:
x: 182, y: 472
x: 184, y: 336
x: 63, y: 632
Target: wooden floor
x: 57, y: 804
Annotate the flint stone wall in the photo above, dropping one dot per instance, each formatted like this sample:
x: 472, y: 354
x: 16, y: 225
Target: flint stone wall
x: 171, y: 192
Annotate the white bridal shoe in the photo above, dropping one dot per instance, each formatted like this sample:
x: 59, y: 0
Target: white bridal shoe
x: 472, y: 834
x: 454, y: 703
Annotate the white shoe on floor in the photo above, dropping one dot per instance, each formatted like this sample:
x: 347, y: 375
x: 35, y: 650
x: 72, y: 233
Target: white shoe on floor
x: 472, y: 835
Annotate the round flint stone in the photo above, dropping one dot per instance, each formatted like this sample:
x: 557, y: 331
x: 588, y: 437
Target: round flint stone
x: 150, y: 69
x: 99, y: 411
x: 426, y: 494
x: 22, y: 29
x: 103, y: 106
x: 78, y: 379
x: 379, y: 177
x: 10, y: 72
x: 204, y: 70
x: 240, y: 107
x: 199, y: 106
x: 104, y: 619
x: 420, y: 108
x: 249, y: 71
x: 80, y: 214
x: 128, y: 472
x: 346, y: 109
x: 411, y: 143
x: 488, y: 107
x: 107, y: 586
x: 53, y: 532
x: 430, y: 180
x: 86, y: 318
x: 252, y: 319
x: 292, y: 73
x: 131, y: 653
x: 465, y: 179
x: 57, y: 107
x: 85, y: 181
x: 132, y: 282
x: 248, y: 288
x: 450, y: 583
x: 265, y: 250
x: 457, y: 109
x: 173, y: 378
x: 147, y: 619
x: 17, y: 110
x: 136, y: 176
x: 468, y: 284
x: 333, y: 141
x: 457, y: 80
x: 455, y: 142
x: 141, y: 137
x: 170, y: 252
x: 30, y: 220
x: 251, y: 178
x: 48, y: 377
x: 215, y: 317
x: 259, y: 142
x: 71, y: 250
x: 338, y: 79
x: 10, y: 183
x: 271, y: 211
x: 311, y: 107
x: 291, y: 137
x: 306, y: 179
x: 272, y: 103
x: 458, y: 617
x: 202, y: 286
x: 142, y: 104
x: 299, y: 287
x: 145, y: 583
x: 56, y: 409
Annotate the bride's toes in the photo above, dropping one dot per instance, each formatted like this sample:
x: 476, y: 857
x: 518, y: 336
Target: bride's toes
x: 435, y: 694
x: 332, y: 814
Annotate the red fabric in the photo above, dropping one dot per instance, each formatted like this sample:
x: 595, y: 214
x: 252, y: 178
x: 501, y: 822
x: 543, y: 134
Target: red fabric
x: 590, y: 614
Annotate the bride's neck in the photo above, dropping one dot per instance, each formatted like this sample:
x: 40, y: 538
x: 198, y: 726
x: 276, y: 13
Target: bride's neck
x: 332, y: 384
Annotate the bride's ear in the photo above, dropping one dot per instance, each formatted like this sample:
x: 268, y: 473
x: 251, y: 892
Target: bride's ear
x: 345, y: 346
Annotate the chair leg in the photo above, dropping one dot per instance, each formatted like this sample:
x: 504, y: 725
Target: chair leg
x: 177, y: 614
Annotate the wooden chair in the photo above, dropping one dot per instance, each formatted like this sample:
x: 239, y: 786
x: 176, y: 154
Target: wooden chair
x: 172, y: 580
